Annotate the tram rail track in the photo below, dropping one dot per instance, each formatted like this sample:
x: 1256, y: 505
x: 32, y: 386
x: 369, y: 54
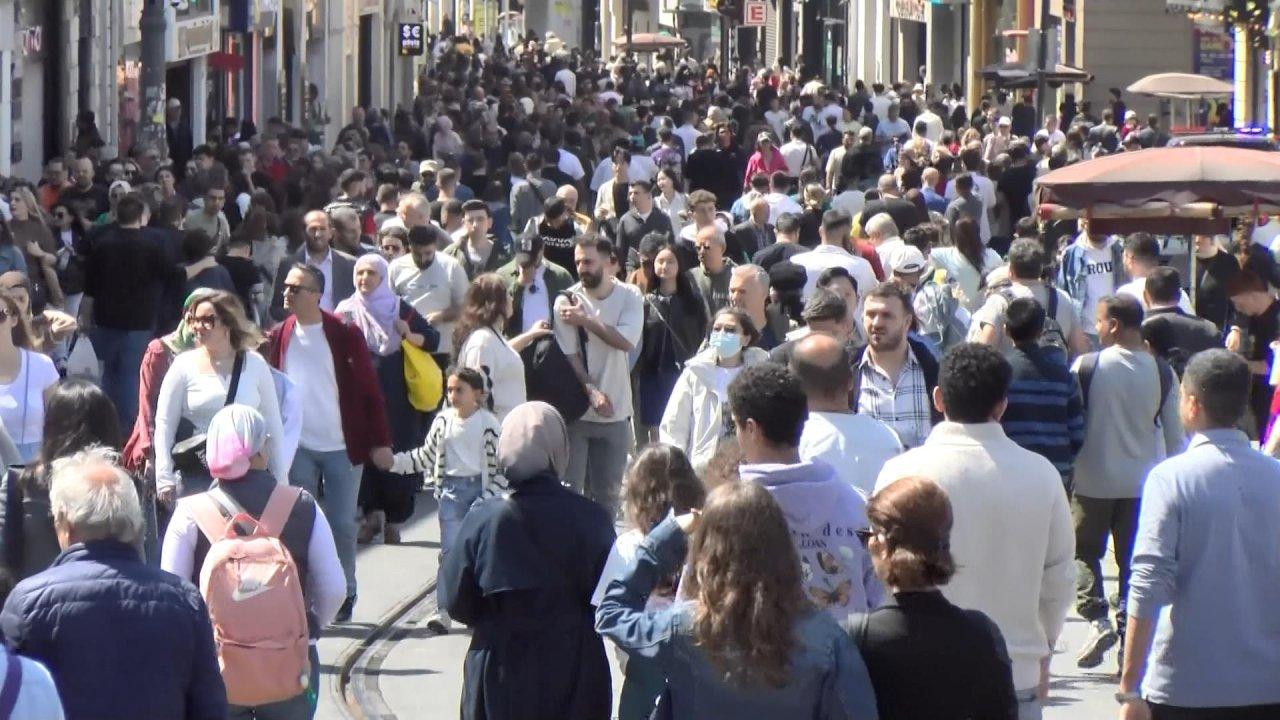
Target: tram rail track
x: 358, y: 689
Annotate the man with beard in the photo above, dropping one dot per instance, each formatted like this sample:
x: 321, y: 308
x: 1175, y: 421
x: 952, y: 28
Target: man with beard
x: 337, y: 267
x: 533, y: 284
x: 894, y: 375
x: 87, y: 198
x: 432, y: 282
x: 598, y: 322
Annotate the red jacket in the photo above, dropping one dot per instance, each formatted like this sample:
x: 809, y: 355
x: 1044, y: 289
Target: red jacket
x: 364, y: 413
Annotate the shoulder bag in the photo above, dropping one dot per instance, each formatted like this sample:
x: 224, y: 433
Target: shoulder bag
x: 189, y: 455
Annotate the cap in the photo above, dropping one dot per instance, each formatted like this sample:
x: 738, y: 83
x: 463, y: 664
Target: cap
x: 787, y: 276
x: 909, y: 260
x: 527, y: 247
x: 764, y: 136
x: 1004, y: 121
x: 1131, y: 114
x: 429, y: 166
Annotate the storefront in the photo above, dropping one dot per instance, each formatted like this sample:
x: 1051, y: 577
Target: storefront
x: 193, y: 33
x: 34, y: 124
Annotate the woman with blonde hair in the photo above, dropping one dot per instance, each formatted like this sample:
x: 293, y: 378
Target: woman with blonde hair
x: 815, y: 203
x: 222, y: 369
x: 741, y: 640
x: 927, y: 658
x: 31, y: 234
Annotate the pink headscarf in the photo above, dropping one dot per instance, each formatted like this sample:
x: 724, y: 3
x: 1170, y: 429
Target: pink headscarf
x: 376, y: 312
x: 236, y: 433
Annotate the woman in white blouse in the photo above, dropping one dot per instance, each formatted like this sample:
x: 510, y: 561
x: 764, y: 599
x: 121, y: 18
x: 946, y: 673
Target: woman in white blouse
x: 198, y: 384
x: 669, y: 199
x: 26, y: 379
x: 480, y: 344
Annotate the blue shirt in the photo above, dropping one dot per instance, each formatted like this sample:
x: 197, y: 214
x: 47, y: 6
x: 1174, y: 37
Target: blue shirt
x: 1207, y: 554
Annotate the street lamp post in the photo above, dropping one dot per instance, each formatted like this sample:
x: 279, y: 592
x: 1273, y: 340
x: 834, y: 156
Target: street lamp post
x: 152, y: 26
x: 1042, y: 61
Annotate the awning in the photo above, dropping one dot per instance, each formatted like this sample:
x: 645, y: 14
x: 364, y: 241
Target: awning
x: 226, y: 62
x: 1018, y: 75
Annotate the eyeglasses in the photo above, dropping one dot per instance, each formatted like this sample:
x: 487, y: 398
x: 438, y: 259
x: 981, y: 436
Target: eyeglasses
x: 864, y: 535
x: 296, y: 288
x: 203, y: 321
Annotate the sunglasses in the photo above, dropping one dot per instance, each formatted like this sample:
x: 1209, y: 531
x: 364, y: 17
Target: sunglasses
x: 864, y: 535
x: 204, y: 321
x: 296, y: 288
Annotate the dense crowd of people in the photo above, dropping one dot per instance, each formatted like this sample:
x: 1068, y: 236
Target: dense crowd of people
x: 785, y: 390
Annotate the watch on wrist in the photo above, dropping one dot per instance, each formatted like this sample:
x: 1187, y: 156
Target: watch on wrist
x: 1124, y: 698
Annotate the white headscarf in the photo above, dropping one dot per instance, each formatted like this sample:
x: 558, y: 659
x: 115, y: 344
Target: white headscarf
x: 236, y: 433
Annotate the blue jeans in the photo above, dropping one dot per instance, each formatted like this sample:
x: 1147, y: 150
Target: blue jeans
x: 457, y: 494
x: 120, y: 352
x: 299, y: 707
x: 335, y: 483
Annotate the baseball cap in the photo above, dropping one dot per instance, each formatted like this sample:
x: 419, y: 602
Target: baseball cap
x: 909, y: 260
x: 764, y: 136
x: 527, y: 247
x: 1004, y: 121
x: 429, y: 166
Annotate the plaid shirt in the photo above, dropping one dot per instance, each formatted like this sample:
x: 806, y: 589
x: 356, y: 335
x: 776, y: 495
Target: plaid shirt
x: 903, y: 407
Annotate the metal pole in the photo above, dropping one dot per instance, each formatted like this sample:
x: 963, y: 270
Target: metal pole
x: 1042, y: 62
x: 630, y: 27
x: 151, y: 81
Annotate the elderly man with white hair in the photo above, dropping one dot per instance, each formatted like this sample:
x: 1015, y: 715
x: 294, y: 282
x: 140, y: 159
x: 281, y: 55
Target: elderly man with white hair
x: 121, y: 638
x: 711, y: 276
x: 882, y: 233
x: 749, y: 291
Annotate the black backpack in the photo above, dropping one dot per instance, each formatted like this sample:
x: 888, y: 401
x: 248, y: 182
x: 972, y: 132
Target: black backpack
x: 549, y: 377
x: 1053, y: 336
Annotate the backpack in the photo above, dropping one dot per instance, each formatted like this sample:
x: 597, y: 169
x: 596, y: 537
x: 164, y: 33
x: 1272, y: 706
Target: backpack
x: 1053, y: 336
x: 1089, y: 363
x: 254, y: 593
x: 549, y: 377
x: 939, y: 313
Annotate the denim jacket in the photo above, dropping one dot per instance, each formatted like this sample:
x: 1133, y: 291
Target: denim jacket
x: 1072, y: 277
x: 828, y: 679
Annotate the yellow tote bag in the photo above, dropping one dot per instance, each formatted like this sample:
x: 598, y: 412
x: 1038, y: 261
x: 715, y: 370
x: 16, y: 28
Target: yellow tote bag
x: 422, y: 377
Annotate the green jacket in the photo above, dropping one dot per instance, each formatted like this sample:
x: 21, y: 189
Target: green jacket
x: 498, y: 257
x: 556, y: 278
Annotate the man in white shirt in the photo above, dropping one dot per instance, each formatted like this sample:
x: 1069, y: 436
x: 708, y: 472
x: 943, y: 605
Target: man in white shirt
x: 882, y: 233
x: 344, y: 420
x: 1022, y: 575
x: 847, y: 140
x: 565, y: 77
x: 892, y: 128
x: 432, y: 282
x: 831, y: 253
x: 932, y: 122
x: 641, y: 167
x: 1141, y: 256
x: 688, y: 133
x: 880, y: 101
x: 337, y: 267
x: 609, y: 315
x: 798, y: 153
x: 983, y: 186
x: 856, y: 445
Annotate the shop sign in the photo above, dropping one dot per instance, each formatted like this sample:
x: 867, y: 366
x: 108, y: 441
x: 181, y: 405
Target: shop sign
x: 369, y: 6
x: 1215, y: 56
x: 914, y: 10
x: 32, y: 40
x: 194, y: 38
x: 411, y: 39
x: 754, y: 13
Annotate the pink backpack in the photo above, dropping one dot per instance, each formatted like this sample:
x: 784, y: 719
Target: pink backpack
x: 254, y: 594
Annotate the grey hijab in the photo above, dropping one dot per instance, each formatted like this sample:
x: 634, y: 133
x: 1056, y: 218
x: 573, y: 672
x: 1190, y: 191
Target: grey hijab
x: 534, y: 440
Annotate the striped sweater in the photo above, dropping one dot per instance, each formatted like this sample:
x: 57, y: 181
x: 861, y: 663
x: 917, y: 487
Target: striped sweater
x: 430, y: 458
x: 1045, y: 414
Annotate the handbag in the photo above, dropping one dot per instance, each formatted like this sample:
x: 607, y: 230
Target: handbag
x: 422, y: 378
x: 82, y: 361
x: 189, y: 454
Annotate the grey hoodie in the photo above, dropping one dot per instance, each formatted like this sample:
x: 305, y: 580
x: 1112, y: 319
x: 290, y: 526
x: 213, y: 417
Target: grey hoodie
x: 823, y: 512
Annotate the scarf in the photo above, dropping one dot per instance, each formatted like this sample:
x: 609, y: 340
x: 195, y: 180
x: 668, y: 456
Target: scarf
x: 236, y: 433
x: 376, y: 312
x: 182, y: 339
x: 533, y: 441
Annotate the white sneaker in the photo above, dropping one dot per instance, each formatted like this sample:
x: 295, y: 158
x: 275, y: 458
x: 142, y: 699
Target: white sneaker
x: 440, y: 623
x: 1101, y: 637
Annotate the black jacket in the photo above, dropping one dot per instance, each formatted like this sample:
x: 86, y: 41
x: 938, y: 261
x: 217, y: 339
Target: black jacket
x: 930, y: 659
x: 1175, y: 336
x: 521, y: 575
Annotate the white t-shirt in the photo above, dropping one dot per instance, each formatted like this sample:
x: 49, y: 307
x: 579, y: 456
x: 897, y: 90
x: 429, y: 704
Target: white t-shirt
x: 534, y: 307
x: 440, y: 286
x: 799, y: 154
x: 308, y: 361
x: 850, y: 201
x: 464, y: 445
x: 22, y: 401
x: 1099, y: 281
x: 607, y: 366
x: 501, y: 367
x: 1138, y: 286
x: 566, y: 77
x: 828, y: 256
x: 777, y: 120
x: 856, y: 445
